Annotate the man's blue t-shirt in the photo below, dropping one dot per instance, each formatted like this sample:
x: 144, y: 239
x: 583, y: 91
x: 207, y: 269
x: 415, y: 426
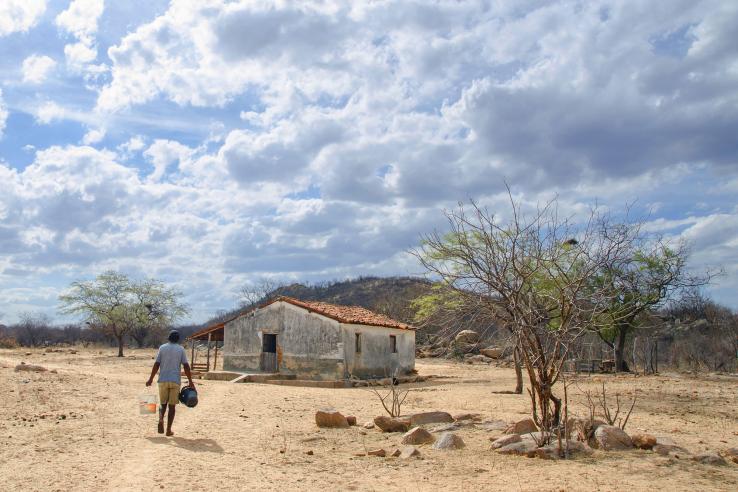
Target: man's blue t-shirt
x: 170, y: 357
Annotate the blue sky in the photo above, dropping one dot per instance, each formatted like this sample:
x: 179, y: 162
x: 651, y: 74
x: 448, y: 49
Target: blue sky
x: 215, y: 143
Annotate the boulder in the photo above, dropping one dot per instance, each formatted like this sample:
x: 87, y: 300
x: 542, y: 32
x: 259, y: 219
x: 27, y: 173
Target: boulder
x: 29, y: 367
x: 671, y: 450
x: 480, y: 359
x: 351, y: 420
x: 611, y: 438
x: 449, y: 440
x: 643, y: 441
x: 431, y: 418
x: 444, y: 427
x: 368, y: 425
x: 417, y: 435
x: 493, y: 425
x: 408, y: 452
x: 503, y: 441
x: 492, y: 352
x: 466, y: 337
x: 378, y: 452
x: 524, y: 426
x: 396, y: 452
x: 709, y: 459
x: 330, y: 418
x: 388, y: 424
x: 522, y: 448
x: 467, y: 416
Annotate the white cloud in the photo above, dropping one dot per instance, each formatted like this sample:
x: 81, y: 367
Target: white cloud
x: 94, y: 136
x: 50, y: 111
x: 80, y: 20
x: 164, y: 153
x: 36, y: 68
x: 3, y: 114
x: 19, y: 15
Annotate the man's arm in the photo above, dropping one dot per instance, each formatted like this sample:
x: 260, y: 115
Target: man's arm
x: 153, y: 373
x: 188, y: 373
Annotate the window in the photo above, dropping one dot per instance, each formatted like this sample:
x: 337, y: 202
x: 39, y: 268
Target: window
x: 393, y: 344
x: 358, y: 343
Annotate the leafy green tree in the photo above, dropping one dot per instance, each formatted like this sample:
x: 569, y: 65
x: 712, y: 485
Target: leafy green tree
x: 117, y: 306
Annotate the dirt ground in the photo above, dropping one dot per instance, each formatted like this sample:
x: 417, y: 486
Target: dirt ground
x: 79, y: 429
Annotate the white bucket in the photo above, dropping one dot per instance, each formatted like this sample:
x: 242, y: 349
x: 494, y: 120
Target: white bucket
x: 146, y: 404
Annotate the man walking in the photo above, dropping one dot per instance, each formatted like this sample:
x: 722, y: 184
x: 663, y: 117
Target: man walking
x: 171, y: 355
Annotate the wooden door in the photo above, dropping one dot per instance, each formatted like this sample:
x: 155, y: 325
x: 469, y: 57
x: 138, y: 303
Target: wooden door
x: 269, y: 361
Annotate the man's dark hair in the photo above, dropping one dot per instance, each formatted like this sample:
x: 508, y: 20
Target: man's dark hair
x: 174, y: 336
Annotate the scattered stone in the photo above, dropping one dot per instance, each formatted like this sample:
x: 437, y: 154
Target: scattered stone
x: 388, y: 424
x: 444, y: 427
x: 330, y: 418
x: 431, y: 418
x: 522, y: 448
x: 709, y: 459
x: 449, y: 440
x: 368, y: 425
x: 482, y: 359
x: 467, y: 416
x: 505, y: 440
x: 731, y: 454
x: 467, y: 336
x: 493, y: 425
x: 378, y: 452
x: 29, y: 353
x: 492, y: 352
x: 549, y: 452
x: 359, y: 454
x: 418, y: 435
x: 396, y: 453
x: 671, y: 450
x: 309, y: 452
x: 525, y: 426
x: 643, y: 441
x: 351, y: 420
x: 611, y: 438
x: 409, y: 452
x: 29, y: 367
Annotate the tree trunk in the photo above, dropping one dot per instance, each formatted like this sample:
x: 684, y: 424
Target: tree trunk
x: 620, y: 364
x: 120, y: 345
x: 518, y: 371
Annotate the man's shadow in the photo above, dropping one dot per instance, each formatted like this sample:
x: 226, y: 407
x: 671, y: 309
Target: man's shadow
x: 195, y: 445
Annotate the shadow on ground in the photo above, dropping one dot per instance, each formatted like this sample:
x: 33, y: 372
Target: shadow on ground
x: 195, y: 445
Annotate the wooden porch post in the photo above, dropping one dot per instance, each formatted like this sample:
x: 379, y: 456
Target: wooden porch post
x: 192, y: 357
x: 210, y: 335
x: 215, y: 362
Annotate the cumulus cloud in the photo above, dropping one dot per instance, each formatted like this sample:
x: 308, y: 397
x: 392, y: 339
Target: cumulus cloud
x: 80, y: 20
x: 3, y: 114
x: 36, y: 68
x: 19, y: 15
x: 50, y: 111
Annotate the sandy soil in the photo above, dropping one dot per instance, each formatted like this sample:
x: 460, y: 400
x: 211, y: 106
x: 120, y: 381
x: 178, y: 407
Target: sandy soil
x: 79, y: 429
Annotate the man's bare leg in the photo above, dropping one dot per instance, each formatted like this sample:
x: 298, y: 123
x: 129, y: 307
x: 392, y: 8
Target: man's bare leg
x: 162, y: 410
x: 170, y: 419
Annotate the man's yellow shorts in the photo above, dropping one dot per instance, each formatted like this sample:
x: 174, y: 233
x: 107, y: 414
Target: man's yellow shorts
x: 169, y: 393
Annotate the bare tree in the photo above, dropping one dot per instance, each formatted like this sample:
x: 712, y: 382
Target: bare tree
x: 537, y: 272
x: 262, y: 290
x: 33, y: 329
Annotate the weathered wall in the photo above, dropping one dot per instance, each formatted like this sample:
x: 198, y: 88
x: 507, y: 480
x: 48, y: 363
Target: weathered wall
x: 309, y: 345
x: 376, y: 359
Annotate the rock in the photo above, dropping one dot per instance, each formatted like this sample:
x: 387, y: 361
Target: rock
x: 731, y: 454
x: 331, y: 418
x: 408, y: 452
x: 549, y: 452
x: 29, y: 367
x: 368, y: 425
x: 467, y: 416
x: 493, y: 425
x: 522, y: 448
x: 492, y: 352
x: 449, y: 440
x: 467, y: 336
x: 611, y: 438
x: 481, y: 359
x: 351, y: 420
x: 444, y: 427
x: 643, y: 441
x: 309, y: 452
x: 29, y: 353
x: 378, y: 452
x: 503, y: 441
x: 388, y: 424
x: 709, y: 459
x: 537, y: 437
x: 396, y: 453
x: 671, y: 450
x: 418, y: 435
x: 524, y: 426
x: 665, y: 440
x: 431, y: 418
x: 583, y: 429
x: 576, y: 447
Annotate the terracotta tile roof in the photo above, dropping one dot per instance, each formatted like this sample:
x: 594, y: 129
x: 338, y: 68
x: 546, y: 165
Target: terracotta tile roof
x: 346, y: 314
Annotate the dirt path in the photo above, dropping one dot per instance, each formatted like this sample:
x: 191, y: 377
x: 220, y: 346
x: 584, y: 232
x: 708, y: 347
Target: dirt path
x: 79, y: 429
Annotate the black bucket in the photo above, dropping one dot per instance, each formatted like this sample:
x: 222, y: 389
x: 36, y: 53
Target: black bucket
x: 188, y: 396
